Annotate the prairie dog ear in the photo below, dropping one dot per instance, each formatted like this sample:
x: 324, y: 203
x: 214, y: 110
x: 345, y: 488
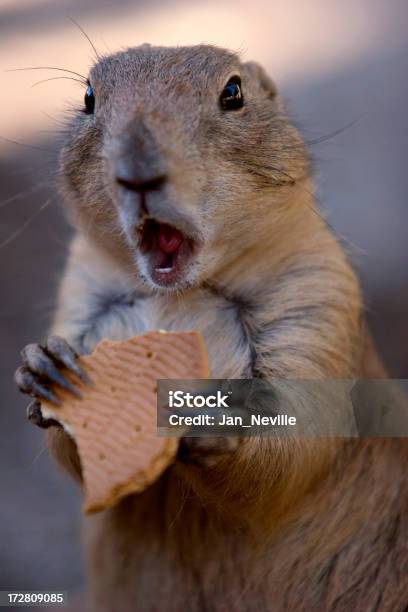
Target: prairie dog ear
x: 259, y: 74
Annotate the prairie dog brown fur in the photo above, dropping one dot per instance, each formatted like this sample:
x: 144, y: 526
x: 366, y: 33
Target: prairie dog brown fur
x: 192, y: 198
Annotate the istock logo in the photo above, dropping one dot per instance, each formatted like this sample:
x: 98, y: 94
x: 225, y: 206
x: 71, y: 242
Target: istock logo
x: 180, y: 399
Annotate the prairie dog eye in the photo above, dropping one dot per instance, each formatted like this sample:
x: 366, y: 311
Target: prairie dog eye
x: 89, y: 100
x: 231, y: 97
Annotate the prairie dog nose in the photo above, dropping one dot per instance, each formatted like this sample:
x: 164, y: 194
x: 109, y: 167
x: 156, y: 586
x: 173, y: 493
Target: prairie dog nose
x: 141, y: 185
x: 138, y: 164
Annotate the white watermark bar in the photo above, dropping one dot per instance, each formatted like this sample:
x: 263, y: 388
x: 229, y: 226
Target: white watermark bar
x: 283, y: 407
x: 33, y: 598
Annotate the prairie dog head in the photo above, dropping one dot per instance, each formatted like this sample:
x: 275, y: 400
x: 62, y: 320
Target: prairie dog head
x: 179, y: 159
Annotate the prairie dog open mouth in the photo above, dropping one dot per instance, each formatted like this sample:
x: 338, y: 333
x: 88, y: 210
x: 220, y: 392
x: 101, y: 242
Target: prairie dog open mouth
x: 167, y: 249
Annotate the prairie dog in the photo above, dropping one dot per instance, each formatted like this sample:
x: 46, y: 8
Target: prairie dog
x: 191, y: 194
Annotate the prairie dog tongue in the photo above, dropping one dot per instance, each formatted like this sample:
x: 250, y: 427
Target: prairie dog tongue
x: 169, y: 239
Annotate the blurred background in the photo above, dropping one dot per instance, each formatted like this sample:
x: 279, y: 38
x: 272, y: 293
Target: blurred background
x: 339, y: 64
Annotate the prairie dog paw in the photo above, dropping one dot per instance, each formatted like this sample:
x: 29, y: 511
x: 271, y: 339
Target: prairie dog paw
x: 205, y: 451
x: 42, y: 370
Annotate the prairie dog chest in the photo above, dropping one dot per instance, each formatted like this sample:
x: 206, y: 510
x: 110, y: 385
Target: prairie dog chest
x: 118, y: 316
x: 220, y: 322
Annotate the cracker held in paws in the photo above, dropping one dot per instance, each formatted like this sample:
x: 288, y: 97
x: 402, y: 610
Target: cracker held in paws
x: 114, y: 421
